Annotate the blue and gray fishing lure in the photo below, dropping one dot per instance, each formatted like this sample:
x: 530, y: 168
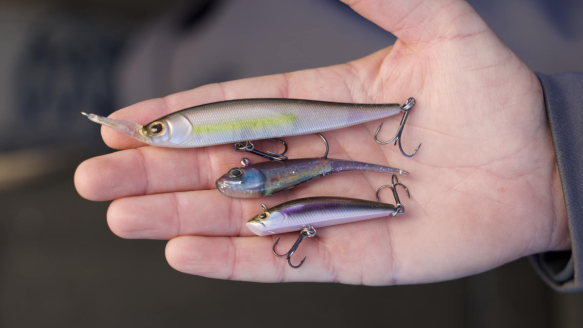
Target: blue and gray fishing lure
x: 264, y: 179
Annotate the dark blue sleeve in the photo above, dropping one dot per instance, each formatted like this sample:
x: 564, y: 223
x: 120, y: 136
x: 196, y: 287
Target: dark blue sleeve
x: 564, y: 103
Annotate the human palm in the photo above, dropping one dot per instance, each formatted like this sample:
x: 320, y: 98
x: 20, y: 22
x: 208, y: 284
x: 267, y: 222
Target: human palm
x: 484, y: 185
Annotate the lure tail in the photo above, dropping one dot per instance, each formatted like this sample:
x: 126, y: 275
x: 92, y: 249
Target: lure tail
x: 341, y: 165
x: 128, y: 128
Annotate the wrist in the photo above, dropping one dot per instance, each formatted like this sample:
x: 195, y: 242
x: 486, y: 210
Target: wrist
x: 560, y: 237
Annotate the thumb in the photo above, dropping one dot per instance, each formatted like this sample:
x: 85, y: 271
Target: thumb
x: 419, y: 22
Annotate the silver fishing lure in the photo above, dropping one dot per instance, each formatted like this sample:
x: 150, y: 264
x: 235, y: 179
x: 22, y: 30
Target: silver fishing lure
x: 307, y: 214
x: 244, y: 120
x: 266, y: 178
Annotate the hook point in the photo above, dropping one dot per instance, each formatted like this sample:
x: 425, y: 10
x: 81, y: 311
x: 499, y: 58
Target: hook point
x: 325, y: 143
x: 295, y: 266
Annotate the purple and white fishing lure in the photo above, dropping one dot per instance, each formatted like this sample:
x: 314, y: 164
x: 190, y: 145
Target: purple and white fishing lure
x: 307, y: 214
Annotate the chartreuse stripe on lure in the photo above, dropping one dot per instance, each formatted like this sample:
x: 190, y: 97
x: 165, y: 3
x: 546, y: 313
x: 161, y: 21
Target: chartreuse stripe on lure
x: 266, y: 178
x: 257, y: 124
x: 247, y: 119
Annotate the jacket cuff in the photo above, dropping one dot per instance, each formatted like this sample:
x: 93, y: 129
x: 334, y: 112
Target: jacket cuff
x: 563, y: 94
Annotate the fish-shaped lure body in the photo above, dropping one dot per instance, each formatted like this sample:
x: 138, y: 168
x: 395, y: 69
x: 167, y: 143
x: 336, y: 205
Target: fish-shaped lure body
x: 308, y: 214
x: 316, y: 212
x: 247, y: 119
x: 266, y: 178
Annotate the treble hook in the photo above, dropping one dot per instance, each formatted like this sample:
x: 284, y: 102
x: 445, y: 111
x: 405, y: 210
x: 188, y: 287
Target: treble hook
x: 306, y: 232
x: 250, y: 147
x: 400, y: 209
x: 405, y: 108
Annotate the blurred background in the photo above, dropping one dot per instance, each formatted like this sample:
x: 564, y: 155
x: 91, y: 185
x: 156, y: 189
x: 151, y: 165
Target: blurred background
x: 60, y: 266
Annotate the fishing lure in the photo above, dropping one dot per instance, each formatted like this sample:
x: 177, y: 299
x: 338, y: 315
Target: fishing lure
x: 307, y: 214
x: 244, y: 120
x: 263, y: 179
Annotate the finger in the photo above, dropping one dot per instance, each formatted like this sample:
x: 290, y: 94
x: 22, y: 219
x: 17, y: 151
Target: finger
x: 169, y: 215
x: 249, y: 259
x: 209, y: 213
x: 404, y: 250
x: 148, y: 170
x: 334, y: 83
x: 421, y: 21
x: 153, y: 170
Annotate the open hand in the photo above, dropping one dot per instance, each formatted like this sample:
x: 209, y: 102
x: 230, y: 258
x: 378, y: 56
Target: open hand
x: 484, y: 186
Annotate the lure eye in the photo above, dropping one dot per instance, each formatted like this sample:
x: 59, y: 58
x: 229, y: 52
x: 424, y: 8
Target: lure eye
x: 156, y: 129
x: 235, y: 173
x: 263, y: 215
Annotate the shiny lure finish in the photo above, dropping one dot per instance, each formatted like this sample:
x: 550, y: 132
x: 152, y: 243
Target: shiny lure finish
x: 266, y: 178
x: 248, y: 119
x: 316, y: 212
x: 307, y: 214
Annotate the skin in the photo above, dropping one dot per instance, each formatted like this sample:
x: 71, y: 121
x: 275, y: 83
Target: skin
x: 484, y: 186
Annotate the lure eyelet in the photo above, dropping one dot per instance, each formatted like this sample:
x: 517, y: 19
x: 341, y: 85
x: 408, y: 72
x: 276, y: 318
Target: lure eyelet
x: 263, y: 216
x: 235, y: 173
x: 155, y: 129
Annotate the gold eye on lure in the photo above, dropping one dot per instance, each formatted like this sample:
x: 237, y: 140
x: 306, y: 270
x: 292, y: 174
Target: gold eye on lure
x: 263, y: 215
x: 235, y: 173
x: 156, y: 129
